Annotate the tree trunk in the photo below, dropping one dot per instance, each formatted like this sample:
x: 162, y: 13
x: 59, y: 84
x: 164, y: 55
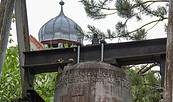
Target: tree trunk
x: 2, y: 10
x: 168, y: 92
x: 6, y: 11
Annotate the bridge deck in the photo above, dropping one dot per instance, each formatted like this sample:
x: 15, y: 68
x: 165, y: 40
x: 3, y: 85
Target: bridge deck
x: 125, y: 53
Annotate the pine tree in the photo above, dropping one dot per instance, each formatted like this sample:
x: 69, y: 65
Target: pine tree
x: 144, y: 80
x: 126, y: 10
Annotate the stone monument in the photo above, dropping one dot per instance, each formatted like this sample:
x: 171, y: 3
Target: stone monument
x: 93, y: 82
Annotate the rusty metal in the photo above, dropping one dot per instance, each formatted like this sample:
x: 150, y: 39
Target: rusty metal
x: 31, y: 96
x: 19, y: 100
x: 168, y: 92
x: 95, y: 39
x: 162, y: 69
x: 93, y: 82
x: 121, y: 53
x: 137, y: 52
x: 23, y: 41
x: 90, y: 81
x: 44, y: 68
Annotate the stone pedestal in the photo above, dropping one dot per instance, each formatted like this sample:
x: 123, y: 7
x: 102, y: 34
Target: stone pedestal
x: 93, y: 82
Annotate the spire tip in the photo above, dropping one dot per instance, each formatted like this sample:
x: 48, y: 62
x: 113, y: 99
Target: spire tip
x: 61, y: 2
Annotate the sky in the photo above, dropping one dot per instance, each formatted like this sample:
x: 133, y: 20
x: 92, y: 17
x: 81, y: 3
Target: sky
x: 41, y: 11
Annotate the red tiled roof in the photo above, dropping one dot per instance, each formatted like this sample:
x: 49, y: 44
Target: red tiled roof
x: 38, y: 44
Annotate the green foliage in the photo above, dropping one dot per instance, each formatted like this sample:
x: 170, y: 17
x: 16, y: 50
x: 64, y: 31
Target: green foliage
x: 51, y: 47
x: 126, y: 10
x: 10, y: 84
x: 73, y: 46
x: 61, y: 45
x: 144, y: 87
x: 44, y: 84
x: 93, y: 30
x: 139, y: 35
x: 122, y: 30
x: 66, y: 45
x: 78, y: 28
x: 93, y: 8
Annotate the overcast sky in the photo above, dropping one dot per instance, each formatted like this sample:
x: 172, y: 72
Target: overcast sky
x: 41, y: 11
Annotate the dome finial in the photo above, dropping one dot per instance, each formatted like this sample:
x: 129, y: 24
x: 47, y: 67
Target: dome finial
x: 61, y: 2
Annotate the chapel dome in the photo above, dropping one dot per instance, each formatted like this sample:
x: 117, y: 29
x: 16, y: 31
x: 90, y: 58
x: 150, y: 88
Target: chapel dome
x: 60, y: 29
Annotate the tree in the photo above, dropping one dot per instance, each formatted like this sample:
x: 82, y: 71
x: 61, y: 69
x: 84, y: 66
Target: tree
x: 144, y: 86
x: 10, y: 85
x: 126, y: 10
x: 44, y: 84
x: 169, y: 58
x: 6, y: 11
x: 45, y: 89
x: 144, y: 89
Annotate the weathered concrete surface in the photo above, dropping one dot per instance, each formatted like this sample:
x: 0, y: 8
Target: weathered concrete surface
x: 93, y: 82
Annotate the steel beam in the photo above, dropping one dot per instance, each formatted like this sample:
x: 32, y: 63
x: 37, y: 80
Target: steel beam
x: 23, y: 42
x: 32, y: 96
x: 42, y: 68
x: 162, y: 69
x: 126, y: 53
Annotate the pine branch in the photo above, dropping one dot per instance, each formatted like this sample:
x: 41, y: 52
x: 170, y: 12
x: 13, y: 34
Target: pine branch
x: 94, y: 9
x: 148, y: 68
x: 126, y: 21
x: 142, y: 68
x: 108, y: 8
x: 156, y: 1
x: 145, y: 25
x: 136, y: 5
x: 104, y: 3
x: 153, y: 85
x: 79, y: 29
x: 150, y: 12
x: 118, y: 36
x: 153, y: 26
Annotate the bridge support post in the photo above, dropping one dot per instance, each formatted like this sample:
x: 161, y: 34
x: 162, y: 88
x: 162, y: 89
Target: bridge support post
x: 162, y: 69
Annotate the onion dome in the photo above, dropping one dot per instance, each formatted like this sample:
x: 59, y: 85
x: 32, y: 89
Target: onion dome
x: 60, y: 29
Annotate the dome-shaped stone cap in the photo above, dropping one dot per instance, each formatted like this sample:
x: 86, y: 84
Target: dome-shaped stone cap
x: 94, y: 82
x: 59, y: 28
x: 94, y: 64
